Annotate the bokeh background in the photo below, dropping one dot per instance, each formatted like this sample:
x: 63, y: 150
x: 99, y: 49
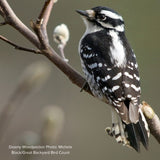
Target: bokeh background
x: 84, y: 117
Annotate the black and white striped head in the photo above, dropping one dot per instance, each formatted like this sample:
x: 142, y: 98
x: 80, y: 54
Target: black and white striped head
x: 102, y: 17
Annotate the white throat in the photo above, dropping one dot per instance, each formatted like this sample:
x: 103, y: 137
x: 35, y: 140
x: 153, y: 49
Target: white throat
x: 90, y: 28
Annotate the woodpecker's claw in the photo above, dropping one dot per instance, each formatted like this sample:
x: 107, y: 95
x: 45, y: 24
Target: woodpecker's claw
x: 85, y: 86
x: 110, y: 131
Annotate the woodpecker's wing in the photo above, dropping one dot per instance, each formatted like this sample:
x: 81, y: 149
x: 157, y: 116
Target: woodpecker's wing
x: 95, y: 56
x: 131, y: 77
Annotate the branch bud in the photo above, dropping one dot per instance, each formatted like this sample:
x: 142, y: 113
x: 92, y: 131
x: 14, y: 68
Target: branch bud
x: 61, y: 34
x: 61, y: 37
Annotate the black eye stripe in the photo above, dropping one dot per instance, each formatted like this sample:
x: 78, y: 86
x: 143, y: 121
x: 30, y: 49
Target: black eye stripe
x: 101, y: 17
x: 106, y: 19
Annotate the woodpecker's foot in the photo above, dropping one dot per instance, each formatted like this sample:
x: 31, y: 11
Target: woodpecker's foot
x: 120, y: 139
x: 85, y: 86
x: 109, y: 131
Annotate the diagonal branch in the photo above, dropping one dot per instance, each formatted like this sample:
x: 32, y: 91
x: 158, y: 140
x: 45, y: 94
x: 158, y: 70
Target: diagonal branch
x: 19, y: 47
x: 46, y: 11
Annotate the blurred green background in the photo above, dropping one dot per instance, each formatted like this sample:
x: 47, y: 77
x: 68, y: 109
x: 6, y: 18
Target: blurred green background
x: 85, y: 118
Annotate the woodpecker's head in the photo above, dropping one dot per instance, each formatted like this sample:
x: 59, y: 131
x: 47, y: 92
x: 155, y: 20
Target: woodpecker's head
x: 102, y: 17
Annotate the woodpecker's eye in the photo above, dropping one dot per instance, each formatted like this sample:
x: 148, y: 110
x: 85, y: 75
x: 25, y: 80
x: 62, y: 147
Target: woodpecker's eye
x: 101, y: 17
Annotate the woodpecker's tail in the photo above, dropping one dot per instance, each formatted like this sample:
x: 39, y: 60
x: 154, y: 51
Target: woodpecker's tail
x: 130, y: 134
x: 137, y: 133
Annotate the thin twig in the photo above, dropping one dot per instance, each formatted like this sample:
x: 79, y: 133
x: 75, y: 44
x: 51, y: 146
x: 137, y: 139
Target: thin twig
x: 61, y: 50
x: 19, y: 47
x: 41, y: 24
x: 46, y: 11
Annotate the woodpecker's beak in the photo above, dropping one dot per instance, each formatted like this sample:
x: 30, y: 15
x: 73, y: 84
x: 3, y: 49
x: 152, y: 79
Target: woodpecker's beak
x: 88, y: 13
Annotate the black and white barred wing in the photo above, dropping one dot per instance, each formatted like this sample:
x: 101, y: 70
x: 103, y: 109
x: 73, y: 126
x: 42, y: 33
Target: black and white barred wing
x: 131, y: 79
x: 99, y: 73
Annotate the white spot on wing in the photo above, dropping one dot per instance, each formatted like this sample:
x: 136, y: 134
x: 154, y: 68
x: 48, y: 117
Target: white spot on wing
x: 91, y: 55
x: 104, y: 89
x: 136, y: 77
x: 92, y: 66
x: 98, y: 78
x: 106, y: 78
x: 135, y: 88
x: 116, y: 101
x: 128, y: 75
x: 118, y: 105
x: 136, y: 65
x: 132, y: 64
x: 134, y: 98
x: 115, y: 88
x: 85, y: 55
x: 130, y: 67
x: 88, y: 48
x: 116, y: 110
x: 127, y: 85
x: 129, y: 95
x: 120, y: 99
x: 117, y: 76
x: 100, y: 64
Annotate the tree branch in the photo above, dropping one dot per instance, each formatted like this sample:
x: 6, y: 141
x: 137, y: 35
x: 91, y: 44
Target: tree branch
x: 46, y: 11
x: 19, y: 47
x: 11, y: 19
